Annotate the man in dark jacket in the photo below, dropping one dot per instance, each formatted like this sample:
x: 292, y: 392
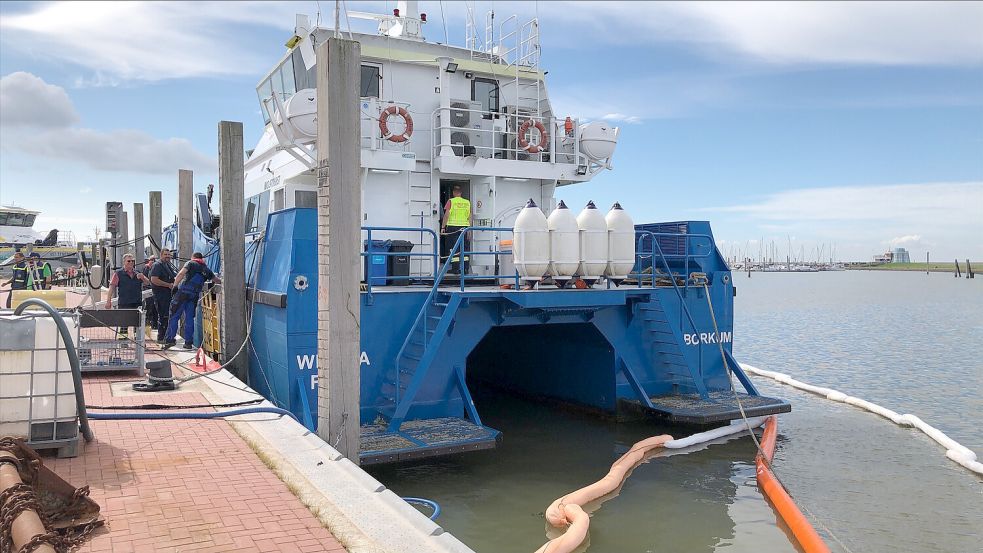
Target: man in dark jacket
x: 149, y: 305
x: 161, y: 282
x: 129, y: 282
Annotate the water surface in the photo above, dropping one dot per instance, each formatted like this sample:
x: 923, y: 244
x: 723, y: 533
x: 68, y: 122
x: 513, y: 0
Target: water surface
x: 908, y: 341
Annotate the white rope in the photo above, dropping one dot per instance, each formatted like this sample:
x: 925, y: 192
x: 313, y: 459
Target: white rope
x: 954, y: 450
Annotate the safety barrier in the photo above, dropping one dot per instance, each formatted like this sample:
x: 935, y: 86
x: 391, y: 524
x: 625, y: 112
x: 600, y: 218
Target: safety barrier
x: 954, y: 450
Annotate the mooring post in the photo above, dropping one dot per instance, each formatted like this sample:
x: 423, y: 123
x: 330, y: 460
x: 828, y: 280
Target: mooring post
x: 138, y: 244
x: 102, y: 263
x: 957, y: 274
x: 927, y: 267
x: 339, y: 215
x: 969, y: 270
x: 124, y: 236
x: 233, y: 247
x: 156, y: 220
x: 185, y: 199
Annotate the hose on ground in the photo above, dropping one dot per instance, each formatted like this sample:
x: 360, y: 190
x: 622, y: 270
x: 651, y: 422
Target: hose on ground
x: 175, y: 416
x: 434, y: 506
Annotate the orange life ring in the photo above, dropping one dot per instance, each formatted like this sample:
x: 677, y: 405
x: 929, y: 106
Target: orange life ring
x: 543, y: 137
x: 384, y: 124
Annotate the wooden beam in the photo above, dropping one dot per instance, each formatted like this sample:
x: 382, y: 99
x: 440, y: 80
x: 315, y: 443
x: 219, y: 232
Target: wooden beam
x: 185, y: 214
x: 156, y: 219
x: 339, y: 208
x: 233, y: 296
x: 139, y: 246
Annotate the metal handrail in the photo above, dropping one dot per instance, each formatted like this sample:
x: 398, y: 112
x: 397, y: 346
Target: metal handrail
x: 435, y: 254
x: 551, y: 148
x: 685, y: 256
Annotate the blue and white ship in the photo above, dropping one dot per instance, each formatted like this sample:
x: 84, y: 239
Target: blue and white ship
x: 653, y: 341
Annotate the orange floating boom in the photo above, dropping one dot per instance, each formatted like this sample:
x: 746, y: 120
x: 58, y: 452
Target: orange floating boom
x: 803, y: 531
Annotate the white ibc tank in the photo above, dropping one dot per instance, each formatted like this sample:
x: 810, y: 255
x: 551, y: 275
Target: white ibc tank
x: 531, y: 243
x: 598, y: 140
x: 593, y: 243
x: 301, y: 110
x: 621, y: 243
x: 564, y: 243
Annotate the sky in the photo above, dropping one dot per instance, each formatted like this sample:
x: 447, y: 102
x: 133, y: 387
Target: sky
x: 849, y: 126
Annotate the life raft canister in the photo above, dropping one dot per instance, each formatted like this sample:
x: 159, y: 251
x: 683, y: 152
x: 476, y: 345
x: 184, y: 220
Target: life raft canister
x: 543, y: 137
x: 384, y: 124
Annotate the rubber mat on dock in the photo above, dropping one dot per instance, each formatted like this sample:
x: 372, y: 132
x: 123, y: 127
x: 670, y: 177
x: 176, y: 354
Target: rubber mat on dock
x: 423, y: 438
x: 719, y: 407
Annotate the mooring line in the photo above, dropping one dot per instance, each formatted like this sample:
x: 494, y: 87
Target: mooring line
x: 954, y: 450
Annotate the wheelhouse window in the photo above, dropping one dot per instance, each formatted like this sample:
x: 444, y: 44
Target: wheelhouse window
x: 371, y: 81
x: 256, y: 210
x: 17, y: 219
x: 485, y: 91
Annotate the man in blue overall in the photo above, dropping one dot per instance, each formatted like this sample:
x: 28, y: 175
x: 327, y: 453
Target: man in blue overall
x: 18, y: 278
x: 187, y: 287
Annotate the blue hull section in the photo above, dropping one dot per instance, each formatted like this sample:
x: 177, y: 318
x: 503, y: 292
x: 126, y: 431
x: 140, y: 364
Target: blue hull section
x: 422, y: 348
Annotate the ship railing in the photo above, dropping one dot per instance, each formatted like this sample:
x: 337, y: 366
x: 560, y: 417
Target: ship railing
x: 495, y: 135
x: 684, y: 249
x: 369, y: 251
x: 465, y: 256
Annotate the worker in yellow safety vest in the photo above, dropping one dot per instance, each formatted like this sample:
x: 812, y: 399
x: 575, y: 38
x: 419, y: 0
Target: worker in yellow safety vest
x: 457, y: 217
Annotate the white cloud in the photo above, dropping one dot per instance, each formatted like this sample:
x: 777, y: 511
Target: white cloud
x: 946, y: 216
x: 146, y: 40
x: 890, y: 33
x: 85, y: 190
x: 26, y: 100
x: 956, y: 203
x: 904, y: 240
x: 116, y: 150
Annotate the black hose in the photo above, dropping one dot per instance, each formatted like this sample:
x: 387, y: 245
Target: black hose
x: 73, y: 357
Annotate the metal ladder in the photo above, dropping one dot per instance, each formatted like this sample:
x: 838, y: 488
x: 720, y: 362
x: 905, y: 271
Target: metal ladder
x: 420, y: 211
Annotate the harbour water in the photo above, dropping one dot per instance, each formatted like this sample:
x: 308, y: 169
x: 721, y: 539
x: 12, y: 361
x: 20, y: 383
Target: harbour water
x: 908, y: 341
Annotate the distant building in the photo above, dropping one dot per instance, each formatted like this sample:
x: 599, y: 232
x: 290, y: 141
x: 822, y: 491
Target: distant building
x: 885, y: 257
x: 900, y: 255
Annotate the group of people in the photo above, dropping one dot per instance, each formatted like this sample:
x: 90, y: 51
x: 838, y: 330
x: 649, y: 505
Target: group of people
x: 29, y: 273
x: 175, y: 293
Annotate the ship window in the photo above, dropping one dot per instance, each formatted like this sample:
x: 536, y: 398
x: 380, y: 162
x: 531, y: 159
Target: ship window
x: 279, y: 196
x: 299, y: 71
x: 277, y: 78
x: 264, y: 91
x: 289, y: 87
x: 305, y: 198
x: 371, y: 81
x: 17, y: 219
x: 486, y: 92
x: 256, y: 210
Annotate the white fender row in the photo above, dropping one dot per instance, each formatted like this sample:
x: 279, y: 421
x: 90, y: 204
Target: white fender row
x: 954, y: 450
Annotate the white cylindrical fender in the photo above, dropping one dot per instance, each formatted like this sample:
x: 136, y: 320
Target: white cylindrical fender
x: 621, y: 243
x: 564, y: 243
x: 593, y: 243
x: 531, y: 243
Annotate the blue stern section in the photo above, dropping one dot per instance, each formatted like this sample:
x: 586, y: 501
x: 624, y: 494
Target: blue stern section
x: 649, y: 345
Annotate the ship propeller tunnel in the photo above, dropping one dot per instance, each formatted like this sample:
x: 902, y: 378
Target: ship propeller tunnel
x: 566, y: 362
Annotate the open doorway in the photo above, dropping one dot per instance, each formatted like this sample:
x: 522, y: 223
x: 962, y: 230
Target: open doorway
x: 448, y: 234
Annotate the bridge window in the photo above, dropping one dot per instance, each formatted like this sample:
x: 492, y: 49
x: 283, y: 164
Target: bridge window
x: 305, y: 198
x: 256, y: 210
x: 371, y: 81
x: 17, y: 219
x: 485, y: 91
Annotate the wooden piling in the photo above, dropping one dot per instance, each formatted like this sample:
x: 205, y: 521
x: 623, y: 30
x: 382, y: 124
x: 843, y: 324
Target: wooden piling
x: 138, y: 243
x: 958, y: 274
x: 122, y: 247
x: 338, y: 244
x: 156, y: 220
x: 969, y: 270
x: 233, y: 249
x: 185, y: 199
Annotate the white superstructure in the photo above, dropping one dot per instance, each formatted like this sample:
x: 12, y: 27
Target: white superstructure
x: 481, y: 118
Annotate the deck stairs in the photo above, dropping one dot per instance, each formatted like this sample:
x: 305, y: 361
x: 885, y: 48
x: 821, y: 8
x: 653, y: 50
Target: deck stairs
x: 662, y: 344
